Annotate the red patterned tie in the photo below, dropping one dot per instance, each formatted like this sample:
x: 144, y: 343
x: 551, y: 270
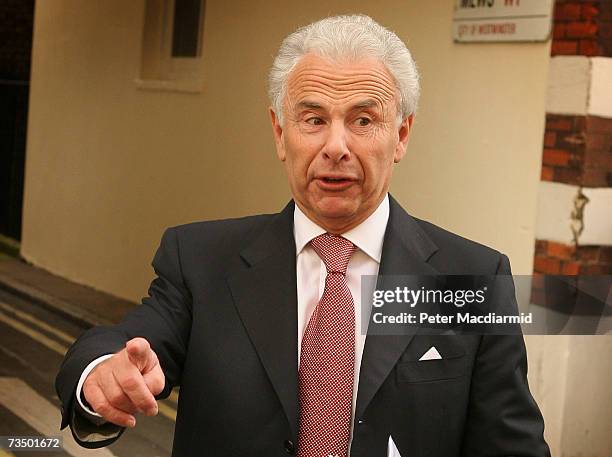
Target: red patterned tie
x: 327, y: 358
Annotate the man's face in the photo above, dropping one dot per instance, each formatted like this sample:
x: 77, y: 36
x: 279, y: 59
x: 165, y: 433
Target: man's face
x: 340, y: 138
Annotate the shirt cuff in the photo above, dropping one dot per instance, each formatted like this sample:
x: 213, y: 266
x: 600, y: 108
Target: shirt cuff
x: 88, y: 369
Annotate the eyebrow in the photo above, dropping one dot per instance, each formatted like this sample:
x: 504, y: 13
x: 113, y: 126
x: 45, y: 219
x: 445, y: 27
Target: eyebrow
x: 368, y: 103
x: 308, y: 104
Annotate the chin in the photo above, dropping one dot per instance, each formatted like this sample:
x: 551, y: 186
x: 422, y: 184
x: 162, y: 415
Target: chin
x: 337, y: 207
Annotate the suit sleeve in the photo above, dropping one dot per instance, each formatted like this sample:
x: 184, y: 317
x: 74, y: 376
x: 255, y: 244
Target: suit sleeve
x: 503, y: 418
x: 163, y: 318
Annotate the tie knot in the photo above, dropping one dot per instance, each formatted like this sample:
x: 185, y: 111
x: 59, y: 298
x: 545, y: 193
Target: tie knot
x: 334, y: 251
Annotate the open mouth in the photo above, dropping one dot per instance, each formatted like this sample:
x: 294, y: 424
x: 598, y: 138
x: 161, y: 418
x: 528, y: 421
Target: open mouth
x: 335, y: 183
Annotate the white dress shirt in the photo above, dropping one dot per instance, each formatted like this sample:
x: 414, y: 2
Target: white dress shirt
x: 311, y: 272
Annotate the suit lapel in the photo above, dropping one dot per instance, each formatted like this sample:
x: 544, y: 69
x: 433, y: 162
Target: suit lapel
x: 406, y: 249
x: 264, y: 292
x: 265, y: 295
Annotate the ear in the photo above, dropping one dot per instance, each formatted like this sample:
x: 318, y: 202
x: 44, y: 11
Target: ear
x: 277, y: 130
x: 403, y: 136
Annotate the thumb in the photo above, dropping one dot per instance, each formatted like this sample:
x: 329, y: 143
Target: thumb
x: 139, y: 352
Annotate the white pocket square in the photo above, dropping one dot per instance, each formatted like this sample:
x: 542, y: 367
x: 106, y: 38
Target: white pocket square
x: 392, y: 449
x: 431, y: 354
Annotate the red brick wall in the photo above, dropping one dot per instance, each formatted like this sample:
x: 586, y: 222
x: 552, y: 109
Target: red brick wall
x: 556, y: 259
x: 561, y: 259
x: 578, y: 150
x: 582, y: 28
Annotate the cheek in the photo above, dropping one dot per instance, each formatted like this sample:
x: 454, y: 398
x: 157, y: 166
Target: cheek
x: 377, y: 166
x: 301, y: 153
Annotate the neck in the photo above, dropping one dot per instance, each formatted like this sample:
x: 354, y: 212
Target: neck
x: 340, y: 225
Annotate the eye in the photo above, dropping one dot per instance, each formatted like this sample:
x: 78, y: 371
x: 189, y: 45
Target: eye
x: 314, y: 121
x: 364, y: 121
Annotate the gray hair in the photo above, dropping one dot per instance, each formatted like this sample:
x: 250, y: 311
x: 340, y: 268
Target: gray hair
x: 341, y: 37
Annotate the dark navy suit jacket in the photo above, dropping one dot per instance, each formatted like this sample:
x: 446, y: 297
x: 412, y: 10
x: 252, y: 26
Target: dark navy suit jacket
x: 222, y: 317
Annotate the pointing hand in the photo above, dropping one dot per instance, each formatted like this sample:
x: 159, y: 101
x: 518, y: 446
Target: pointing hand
x: 125, y: 384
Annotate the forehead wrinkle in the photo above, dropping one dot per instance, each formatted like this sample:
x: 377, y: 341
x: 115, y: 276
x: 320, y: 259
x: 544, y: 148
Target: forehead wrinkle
x: 349, y: 85
x: 372, y: 98
x: 344, y: 83
x: 301, y: 91
x: 343, y: 73
x: 342, y: 77
x: 371, y: 90
x: 337, y: 83
x: 362, y: 92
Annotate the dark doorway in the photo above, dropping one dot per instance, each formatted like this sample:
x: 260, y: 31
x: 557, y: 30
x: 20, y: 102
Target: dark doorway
x: 16, y: 27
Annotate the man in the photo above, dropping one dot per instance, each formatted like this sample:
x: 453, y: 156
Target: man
x: 258, y: 319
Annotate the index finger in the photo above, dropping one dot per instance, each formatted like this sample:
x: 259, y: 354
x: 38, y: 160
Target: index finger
x: 138, y: 351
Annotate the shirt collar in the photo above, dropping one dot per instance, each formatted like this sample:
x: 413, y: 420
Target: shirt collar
x: 367, y: 236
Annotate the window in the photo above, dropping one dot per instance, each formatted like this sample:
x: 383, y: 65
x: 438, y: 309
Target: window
x: 172, y: 45
x: 186, y: 28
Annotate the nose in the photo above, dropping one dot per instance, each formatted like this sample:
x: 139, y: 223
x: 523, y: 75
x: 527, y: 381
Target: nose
x: 336, y: 148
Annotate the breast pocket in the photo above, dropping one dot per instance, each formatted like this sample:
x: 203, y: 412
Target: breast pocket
x: 433, y: 370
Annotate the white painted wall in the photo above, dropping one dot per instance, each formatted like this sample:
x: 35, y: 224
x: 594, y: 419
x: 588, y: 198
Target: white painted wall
x: 568, y: 85
x: 555, y: 206
x: 597, y: 217
x: 579, y: 85
x: 600, y: 94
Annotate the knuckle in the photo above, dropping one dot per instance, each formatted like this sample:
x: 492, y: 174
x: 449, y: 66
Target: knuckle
x: 113, y: 414
x: 90, y: 380
x: 103, y: 366
x: 129, y: 408
x: 116, y: 398
x: 117, y: 419
x: 130, y: 382
x: 123, y: 359
x: 88, y: 389
x: 103, y: 408
x: 93, y: 402
x: 93, y: 377
x: 144, y: 404
x: 153, y: 356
